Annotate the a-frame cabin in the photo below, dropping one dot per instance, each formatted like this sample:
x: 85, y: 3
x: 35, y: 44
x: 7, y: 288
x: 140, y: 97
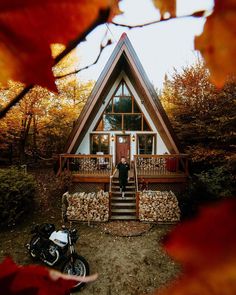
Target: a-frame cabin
x: 124, y: 117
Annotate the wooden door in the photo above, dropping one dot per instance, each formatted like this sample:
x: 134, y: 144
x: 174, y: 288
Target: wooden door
x: 122, y: 147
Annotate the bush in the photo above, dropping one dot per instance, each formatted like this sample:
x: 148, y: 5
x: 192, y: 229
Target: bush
x: 17, y: 190
x: 208, y: 186
x: 218, y: 181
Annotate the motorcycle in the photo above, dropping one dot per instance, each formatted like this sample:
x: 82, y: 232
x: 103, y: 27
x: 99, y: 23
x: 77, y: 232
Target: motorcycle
x: 54, y: 247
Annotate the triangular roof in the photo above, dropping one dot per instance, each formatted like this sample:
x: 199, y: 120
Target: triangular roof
x: 123, y: 58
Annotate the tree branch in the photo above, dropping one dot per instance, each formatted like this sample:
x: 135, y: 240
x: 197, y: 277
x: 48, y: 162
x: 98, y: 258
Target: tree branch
x: 196, y: 14
x: 88, y: 66
x: 103, y: 16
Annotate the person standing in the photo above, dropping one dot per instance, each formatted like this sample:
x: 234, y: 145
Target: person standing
x: 123, y: 168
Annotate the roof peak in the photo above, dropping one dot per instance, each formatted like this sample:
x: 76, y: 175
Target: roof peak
x: 123, y: 36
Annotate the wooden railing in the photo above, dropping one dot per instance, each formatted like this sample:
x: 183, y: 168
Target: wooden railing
x: 161, y: 165
x: 136, y: 189
x: 86, y: 164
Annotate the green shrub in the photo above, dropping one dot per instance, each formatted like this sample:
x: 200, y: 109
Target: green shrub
x: 17, y: 190
x: 218, y: 181
x: 208, y: 186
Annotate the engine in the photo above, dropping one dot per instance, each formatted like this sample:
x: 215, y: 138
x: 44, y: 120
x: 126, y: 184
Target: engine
x: 47, y: 244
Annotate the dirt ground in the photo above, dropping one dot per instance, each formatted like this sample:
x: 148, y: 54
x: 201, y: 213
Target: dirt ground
x: 126, y: 265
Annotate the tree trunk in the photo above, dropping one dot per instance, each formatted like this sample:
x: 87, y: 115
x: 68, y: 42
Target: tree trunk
x: 23, y: 138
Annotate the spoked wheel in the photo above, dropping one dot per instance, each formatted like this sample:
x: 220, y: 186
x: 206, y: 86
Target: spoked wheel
x: 76, y: 266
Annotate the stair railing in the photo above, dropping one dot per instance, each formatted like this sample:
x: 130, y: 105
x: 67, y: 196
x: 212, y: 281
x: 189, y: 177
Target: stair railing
x: 136, y: 187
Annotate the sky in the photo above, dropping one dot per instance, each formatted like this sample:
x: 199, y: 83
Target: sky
x: 160, y: 47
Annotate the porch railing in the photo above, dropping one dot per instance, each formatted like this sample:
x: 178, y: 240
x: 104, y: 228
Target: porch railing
x: 86, y: 164
x: 161, y: 165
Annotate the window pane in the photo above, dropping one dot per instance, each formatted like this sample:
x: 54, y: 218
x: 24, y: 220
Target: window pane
x: 141, y: 144
x: 123, y: 139
x: 122, y: 104
x: 104, y: 144
x: 119, y: 91
x: 132, y: 122
x: 112, y: 122
x: 149, y: 143
x: 109, y: 107
x: 136, y: 108
x: 126, y: 90
x: 95, y: 144
x: 100, y: 143
x: 145, y: 144
x: 145, y: 125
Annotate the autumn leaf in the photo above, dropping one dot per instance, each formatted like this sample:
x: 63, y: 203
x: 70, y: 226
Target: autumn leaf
x: 27, y: 28
x: 218, y: 41
x: 166, y: 7
x: 205, y: 247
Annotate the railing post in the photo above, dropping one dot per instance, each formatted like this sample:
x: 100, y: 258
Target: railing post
x: 137, y: 204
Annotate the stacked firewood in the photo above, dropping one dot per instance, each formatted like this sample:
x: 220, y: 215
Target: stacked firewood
x: 88, y: 164
x: 158, y: 206
x: 151, y: 164
x: 86, y: 206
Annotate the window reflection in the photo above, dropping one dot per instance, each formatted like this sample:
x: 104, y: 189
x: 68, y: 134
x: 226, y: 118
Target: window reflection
x: 146, y: 144
x: 100, y: 143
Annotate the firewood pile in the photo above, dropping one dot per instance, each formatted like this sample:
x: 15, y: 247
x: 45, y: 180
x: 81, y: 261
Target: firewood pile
x: 158, y: 206
x: 151, y: 163
x: 86, y: 206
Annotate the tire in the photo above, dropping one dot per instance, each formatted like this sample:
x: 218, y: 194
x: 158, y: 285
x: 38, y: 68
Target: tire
x: 81, y: 269
x: 31, y: 248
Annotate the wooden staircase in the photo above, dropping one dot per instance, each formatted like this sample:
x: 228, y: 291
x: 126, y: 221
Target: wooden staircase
x: 123, y: 208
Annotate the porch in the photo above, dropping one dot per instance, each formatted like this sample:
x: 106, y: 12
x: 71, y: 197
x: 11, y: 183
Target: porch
x: 99, y: 168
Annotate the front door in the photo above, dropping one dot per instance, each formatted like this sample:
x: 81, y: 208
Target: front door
x: 122, y: 147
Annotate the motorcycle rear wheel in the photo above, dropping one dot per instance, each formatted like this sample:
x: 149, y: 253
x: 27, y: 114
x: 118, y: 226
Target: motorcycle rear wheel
x: 80, y: 267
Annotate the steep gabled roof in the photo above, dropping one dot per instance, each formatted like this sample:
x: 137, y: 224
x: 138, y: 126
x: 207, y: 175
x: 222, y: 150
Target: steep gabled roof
x: 123, y: 58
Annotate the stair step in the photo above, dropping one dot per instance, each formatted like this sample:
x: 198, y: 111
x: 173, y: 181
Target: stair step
x: 123, y: 217
x: 125, y: 210
x: 127, y: 186
x: 120, y: 204
x: 123, y: 199
x: 119, y: 193
x: 117, y: 181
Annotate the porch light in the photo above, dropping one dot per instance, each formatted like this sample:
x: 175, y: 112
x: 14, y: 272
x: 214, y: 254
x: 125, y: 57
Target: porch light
x: 133, y: 137
x: 112, y: 137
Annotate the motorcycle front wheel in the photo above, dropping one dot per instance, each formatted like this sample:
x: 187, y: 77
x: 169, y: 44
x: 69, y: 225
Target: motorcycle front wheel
x: 76, y: 265
x: 31, y: 247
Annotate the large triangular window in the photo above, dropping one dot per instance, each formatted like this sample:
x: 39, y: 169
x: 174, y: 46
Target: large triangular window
x: 122, y: 113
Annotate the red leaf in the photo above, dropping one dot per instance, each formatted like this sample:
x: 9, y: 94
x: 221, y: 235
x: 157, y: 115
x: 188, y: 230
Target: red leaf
x: 205, y: 247
x: 32, y: 279
x: 27, y: 28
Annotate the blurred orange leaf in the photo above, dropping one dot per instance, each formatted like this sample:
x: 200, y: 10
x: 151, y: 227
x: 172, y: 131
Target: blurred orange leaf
x: 166, y: 7
x: 205, y: 247
x: 27, y: 28
x: 218, y: 41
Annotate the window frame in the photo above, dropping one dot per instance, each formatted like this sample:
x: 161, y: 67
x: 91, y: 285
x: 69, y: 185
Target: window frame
x: 153, y: 143
x: 99, y: 134
x: 132, y: 113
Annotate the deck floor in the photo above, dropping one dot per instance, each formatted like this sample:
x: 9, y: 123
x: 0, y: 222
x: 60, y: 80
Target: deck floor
x: 141, y: 174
